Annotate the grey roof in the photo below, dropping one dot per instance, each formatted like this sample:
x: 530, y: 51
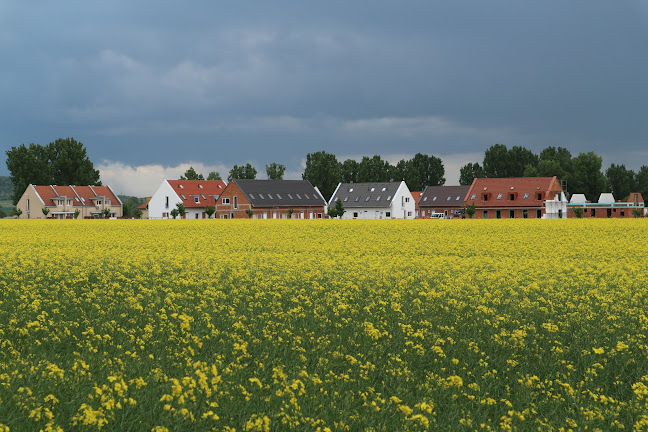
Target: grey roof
x: 280, y: 193
x: 443, y: 196
x: 365, y: 194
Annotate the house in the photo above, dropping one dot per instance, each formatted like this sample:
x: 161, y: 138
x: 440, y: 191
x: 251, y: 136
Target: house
x: 68, y: 202
x: 607, y: 206
x: 195, y: 195
x: 416, y: 196
x: 270, y: 199
x: 391, y: 200
x: 515, y: 197
x: 446, y: 200
x: 144, y: 208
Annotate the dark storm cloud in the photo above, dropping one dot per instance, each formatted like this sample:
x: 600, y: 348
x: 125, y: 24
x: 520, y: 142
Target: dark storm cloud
x: 223, y: 82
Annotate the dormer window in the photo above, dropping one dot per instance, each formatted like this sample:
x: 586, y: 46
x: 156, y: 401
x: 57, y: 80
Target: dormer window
x: 539, y: 196
x: 351, y: 190
x: 511, y: 196
x: 98, y: 202
x: 485, y: 197
x: 196, y: 199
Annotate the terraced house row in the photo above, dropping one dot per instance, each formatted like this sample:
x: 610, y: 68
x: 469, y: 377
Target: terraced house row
x: 493, y: 198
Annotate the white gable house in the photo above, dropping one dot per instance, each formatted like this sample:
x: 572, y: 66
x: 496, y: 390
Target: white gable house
x: 195, y: 195
x: 389, y: 200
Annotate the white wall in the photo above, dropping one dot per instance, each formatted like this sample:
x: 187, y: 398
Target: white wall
x: 157, y: 205
x: 402, y: 206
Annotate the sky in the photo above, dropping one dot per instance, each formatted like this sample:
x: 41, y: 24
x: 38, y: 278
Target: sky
x: 153, y: 87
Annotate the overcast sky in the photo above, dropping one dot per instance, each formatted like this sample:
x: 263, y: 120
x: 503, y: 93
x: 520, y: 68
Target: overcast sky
x: 151, y: 87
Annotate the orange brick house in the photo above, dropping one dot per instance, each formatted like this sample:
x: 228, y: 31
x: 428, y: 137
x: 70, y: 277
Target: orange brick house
x: 515, y: 197
x: 270, y: 199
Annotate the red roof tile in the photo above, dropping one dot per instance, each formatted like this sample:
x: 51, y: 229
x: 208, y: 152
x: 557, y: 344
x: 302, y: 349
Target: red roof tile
x: 205, y: 190
x: 512, y: 192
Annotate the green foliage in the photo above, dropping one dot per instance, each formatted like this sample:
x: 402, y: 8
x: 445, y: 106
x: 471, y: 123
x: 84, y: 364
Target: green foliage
x: 3, y: 214
x: 471, y: 209
x: 275, y: 171
x: 322, y: 171
x: 106, y: 213
x: 420, y: 171
x: 62, y: 162
x: 214, y: 175
x: 374, y: 169
x: 130, y: 204
x: 191, y: 174
x: 621, y: 180
x: 290, y: 213
x: 17, y: 212
x: 636, y: 212
x: 578, y: 212
x: 249, y: 212
x: 6, y: 188
x: 210, y: 210
x: 174, y: 213
x: 337, y: 210
x: 496, y: 162
x: 76, y: 213
x: 470, y: 172
x: 587, y: 177
x: 139, y: 213
x: 349, y: 171
x: 45, y: 211
x: 182, y: 210
x: 246, y: 171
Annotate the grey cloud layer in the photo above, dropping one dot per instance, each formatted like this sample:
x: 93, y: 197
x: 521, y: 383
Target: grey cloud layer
x: 167, y: 82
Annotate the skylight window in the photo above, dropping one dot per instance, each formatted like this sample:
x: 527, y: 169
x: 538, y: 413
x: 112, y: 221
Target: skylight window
x: 183, y: 197
x: 346, y: 199
x: 351, y: 190
x: 425, y: 198
x: 434, y: 199
x: 261, y: 196
x: 298, y: 196
x: 473, y: 196
x: 449, y: 198
x: 458, y: 198
x: 251, y: 196
x: 278, y: 196
x: 357, y: 199
x: 203, y: 196
x: 389, y: 198
x: 384, y: 189
x: 181, y: 187
x: 220, y: 187
x: 526, y: 195
x: 378, y: 199
x: 499, y: 196
x: 200, y: 186
x: 373, y: 189
x: 306, y: 196
x: 367, y: 199
x: 270, y: 196
x: 290, y: 196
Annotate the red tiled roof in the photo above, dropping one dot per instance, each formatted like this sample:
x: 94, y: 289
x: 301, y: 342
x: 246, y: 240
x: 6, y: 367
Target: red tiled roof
x: 144, y: 205
x: 417, y: 197
x: 49, y: 193
x: 512, y: 192
x: 205, y: 190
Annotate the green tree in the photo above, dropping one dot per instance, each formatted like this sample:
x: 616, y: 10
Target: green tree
x: 641, y: 182
x: 339, y: 208
x: 191, y: 174
x: 182, y: 210
x: 214, y: 175
x: 518, y: 159
x: 246, y: 171
x: 249, y: 212
x: 621, y: 181
x: 423, y: 170
x: 106, y: 213
x: 290, y: 213
x: 275, y: 171
x: 470, y: 172
x: 174, y: 213
x: 62, y: 162
x: 210, y: 210
x: 555, y: 162
x: 587, y: 177
x: 578, y: 212
x: 374, y: 169
x: 45, y: 211
x: 138, y: 214
x: 349, y: 171
x: 322, y: 171
x: 471, y: 209
x: 77, y: 212
x: 496, y: 161
x: 531, y: 171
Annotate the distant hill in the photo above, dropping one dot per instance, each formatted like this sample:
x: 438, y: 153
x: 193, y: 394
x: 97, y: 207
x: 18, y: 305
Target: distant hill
x: 6, y: 188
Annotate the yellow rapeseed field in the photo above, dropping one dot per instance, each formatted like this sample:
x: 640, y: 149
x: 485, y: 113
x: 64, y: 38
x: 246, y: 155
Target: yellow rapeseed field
x: 323, y: 325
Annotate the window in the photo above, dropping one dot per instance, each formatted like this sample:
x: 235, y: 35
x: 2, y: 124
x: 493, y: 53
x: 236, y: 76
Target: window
x: 298, y: 196
x: 511, y: 197
x: 526, y: 195
x: 291, y: 197
x: 69, y: 202
x: 270, y: 196
x: 373, y: 189
x: 167, y: 202
x: 485, y: 197
x: 181, y: 187
x: 203, y: 197
x: 357, y: 199
x: 498, y: 214
x: 525, y: 214
x: 409, y: 213
x: 226, y: 200
x: 485, y: 214
x: 539, y: 196
x: 367, y: 199
x: 538, y: 214
x: 231, y: 215
x: 196, y: 199
x: 473, y: 196
x: 196, y: 215
x: 434, y: 199
x: 200, y: 186
x: 425, y: 199
x: 378, y: 198
x: 346, y: 199
x: 235, y: 204
x: 384, y: 189
x: 183, y: 197
x: 499, y: 196
x: 261, y: 196
x: 27, y: 204
x: 351, y: 190
x: 389, y: 198
x: 278, y: 196
x: 387, y: 214
x: 251, y: 196
x: 407, y: 199
x: 306, y: 196
x: 449, y: 198
x: 511, y: 214
x: 355, y: 214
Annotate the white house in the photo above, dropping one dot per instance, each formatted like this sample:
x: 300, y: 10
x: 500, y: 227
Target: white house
x: 391, y: 200
x: 195, y: 195
x: 556, y: 208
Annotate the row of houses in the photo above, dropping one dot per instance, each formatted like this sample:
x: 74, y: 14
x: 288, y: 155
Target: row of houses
x: 496, y: 198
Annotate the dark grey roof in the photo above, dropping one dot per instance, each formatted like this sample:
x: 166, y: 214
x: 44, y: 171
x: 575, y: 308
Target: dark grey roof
x: 443, y: 196
x: 365, y: 194
x: 280, y: 193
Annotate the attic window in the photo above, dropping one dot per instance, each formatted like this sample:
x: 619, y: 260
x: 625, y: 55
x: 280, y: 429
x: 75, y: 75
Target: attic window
x: 196, y: 199
x: 458, y: 198
x: 373, y: 189
x: 473, y: 196
x: 389, y: 198
x: 384, y: 189
x: 278, y: 196
x: 367, y: 199
x: 378, y: 199
x: 180, y: 186
x: 351, y: 190
x: 511, y: 196
x: 251, y: 196
x: 434, y: 199
x: 539, y: 197
x: 298, y: 196
x: 261, y: 196
x: 183, y: 197
x: 200, y: 186
x: 526, y: 195
x: 203, y: 196
x: 290, y: 196
x: 357, y: 199
x: 424, y: 198
x: 449, y: 198
x: 306, y: 196
x: 346, y: 199
x: 499, y: 196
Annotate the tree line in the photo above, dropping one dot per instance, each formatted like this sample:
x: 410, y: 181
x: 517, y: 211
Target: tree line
x: 65, y: 162
x: 580, y: 174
